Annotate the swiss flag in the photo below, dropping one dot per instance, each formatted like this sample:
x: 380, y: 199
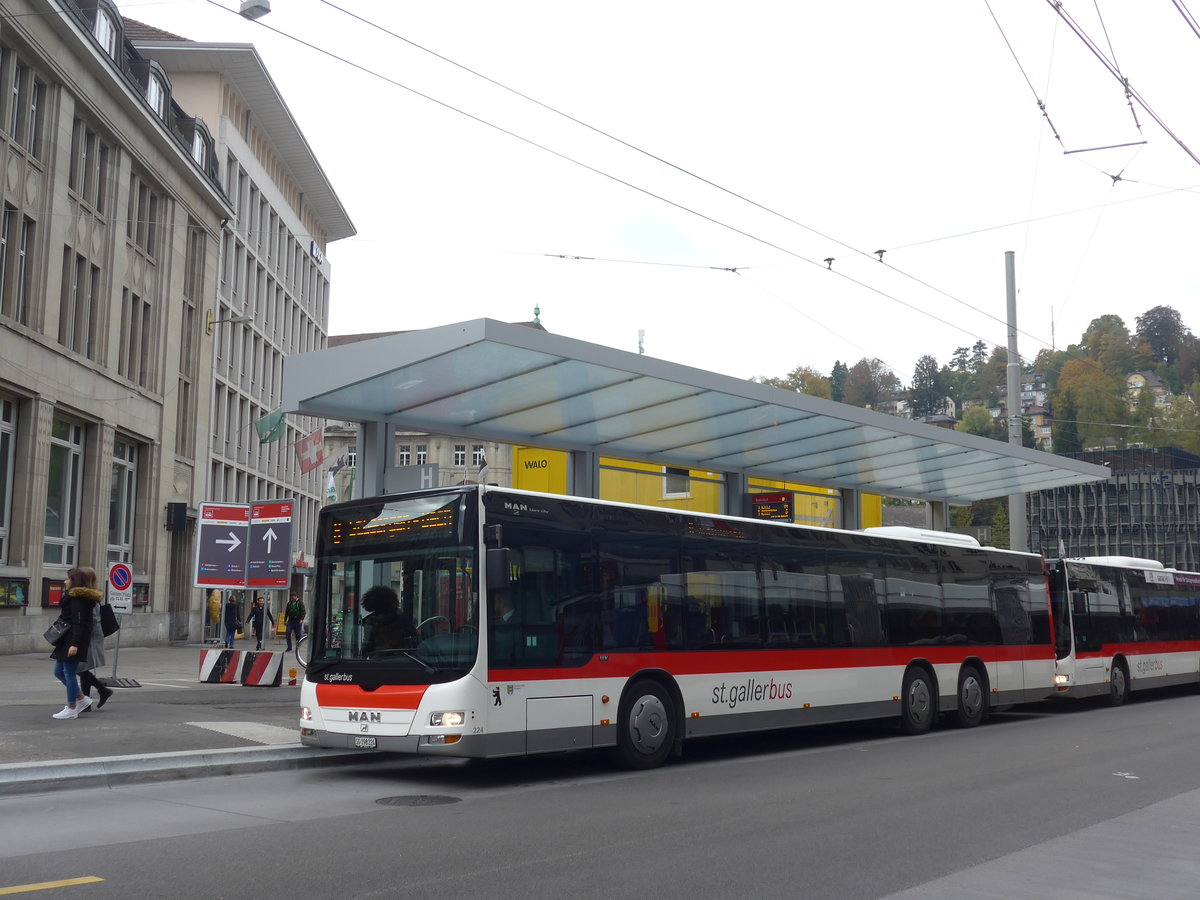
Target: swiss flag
x: 310, y: 451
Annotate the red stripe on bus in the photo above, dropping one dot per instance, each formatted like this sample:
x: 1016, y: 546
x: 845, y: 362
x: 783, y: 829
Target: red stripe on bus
x: 388, y: 696
x: 720, y: 662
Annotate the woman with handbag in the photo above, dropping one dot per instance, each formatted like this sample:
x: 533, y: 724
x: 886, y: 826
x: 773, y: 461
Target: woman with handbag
x: 77, y: 613
x: 95, y: 653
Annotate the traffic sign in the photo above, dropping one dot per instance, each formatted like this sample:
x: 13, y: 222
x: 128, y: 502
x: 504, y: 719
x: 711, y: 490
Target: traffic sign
x: 270, y: 544
x: 221, y: 551
x: 120, y: 588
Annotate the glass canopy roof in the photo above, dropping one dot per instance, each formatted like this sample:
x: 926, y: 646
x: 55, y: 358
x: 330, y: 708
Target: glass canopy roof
x: 494, y: 381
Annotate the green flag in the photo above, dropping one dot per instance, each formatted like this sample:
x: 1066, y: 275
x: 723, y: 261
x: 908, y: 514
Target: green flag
x: 270, y: 426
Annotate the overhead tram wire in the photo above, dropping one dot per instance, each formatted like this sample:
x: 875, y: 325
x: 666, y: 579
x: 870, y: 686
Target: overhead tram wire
x: 665, y: 162
x: 1111, y: 66
x: 642, y: 190
x: 1187, y: 17
x: 1032, y: 89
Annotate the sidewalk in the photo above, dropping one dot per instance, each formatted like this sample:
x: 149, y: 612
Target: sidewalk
x: 170, y: 726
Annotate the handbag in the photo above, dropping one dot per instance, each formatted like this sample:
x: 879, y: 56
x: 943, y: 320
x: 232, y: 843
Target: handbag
x: 57, y: 630
x: 108, y: 620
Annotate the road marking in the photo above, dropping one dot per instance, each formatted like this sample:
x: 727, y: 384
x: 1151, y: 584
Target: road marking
x: 49, y: 885
x: 258, y: 732
x: 1128, y: 775
x: 180, y: 687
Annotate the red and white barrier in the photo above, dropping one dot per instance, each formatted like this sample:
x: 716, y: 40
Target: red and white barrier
x: 263, y: 668
x: 221, y: 666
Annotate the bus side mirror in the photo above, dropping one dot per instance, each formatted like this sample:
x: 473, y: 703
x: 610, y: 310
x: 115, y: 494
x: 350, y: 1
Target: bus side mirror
x: 498, y: 568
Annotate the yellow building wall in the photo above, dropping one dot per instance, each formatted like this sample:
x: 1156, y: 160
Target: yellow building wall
x: 635, y: 481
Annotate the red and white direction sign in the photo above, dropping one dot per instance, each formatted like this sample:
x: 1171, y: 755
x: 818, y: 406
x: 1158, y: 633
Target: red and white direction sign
x: 270, y: 551
x: 222, y: 530
x: 244, y: 545
x: 120, y: 588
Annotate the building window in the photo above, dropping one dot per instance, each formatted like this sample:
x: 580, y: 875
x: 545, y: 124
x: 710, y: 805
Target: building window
x: 460, y: 454
x: 352, y: 456
x: 404, y: 455
x: 77, y: 306
x: 156, y: 95
x: 8, y: 436
x: 137, y: 327
x: 677, y: 483
x: 105, y: 31
x: 144, y: 211
x: 199, y: 149
x: 60, y: 546
x: 122, y: 502
x: 477, y: 456
x: 23, y: 282
x: 422, y: 454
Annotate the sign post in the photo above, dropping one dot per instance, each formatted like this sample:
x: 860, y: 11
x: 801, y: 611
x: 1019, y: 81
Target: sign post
x: 120, y: 597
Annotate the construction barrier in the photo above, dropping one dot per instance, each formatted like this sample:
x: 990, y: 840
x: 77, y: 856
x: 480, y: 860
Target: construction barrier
x: 263, y: 668
x: 221, y: 666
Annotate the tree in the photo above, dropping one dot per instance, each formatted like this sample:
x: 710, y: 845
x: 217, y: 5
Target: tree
x: 837, y: 380
x: 803, y: 380
x: 993, y: 375
x: 1066, y: 427
x: 867, y: 381
x: 1000, y: 526
x: 1108, y: 342
x: 976, y: 420
x: 928, y: 388
x: 1099, y: 401
x: 1162, y: 330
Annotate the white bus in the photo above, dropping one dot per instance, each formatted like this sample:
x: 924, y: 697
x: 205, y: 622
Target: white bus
x: 480, y: 621
x: 1123, y: 624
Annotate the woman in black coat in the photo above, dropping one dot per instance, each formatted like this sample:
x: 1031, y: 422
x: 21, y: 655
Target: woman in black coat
x: 78, y: 604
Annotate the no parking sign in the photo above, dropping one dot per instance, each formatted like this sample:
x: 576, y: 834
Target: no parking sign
x: 120, y: 588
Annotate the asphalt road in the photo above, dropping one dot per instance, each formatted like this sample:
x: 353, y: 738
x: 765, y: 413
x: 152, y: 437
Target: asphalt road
x: 1086, y: 802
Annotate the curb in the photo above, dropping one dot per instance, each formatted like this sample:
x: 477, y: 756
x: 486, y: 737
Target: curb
x: 148, y: 768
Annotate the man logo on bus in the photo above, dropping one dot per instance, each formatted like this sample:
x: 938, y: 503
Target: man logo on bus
x: 365, y: 716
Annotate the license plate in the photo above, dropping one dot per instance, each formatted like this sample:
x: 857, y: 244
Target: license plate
x: 364, y: 743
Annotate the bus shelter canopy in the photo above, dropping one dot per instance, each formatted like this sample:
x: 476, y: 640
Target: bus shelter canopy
x: 495, y: 381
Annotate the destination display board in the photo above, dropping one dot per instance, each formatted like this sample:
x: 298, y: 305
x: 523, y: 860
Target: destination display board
x: 778, y: 505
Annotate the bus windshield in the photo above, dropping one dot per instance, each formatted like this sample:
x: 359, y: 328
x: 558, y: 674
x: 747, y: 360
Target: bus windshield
x: 397, y: 586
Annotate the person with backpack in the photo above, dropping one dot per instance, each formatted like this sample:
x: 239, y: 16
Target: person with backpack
x: 293, y: 619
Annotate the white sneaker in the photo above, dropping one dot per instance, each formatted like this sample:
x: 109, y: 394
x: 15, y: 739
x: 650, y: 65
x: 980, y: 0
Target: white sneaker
x: 67, y: 713
x: 84, y: 702
x: 61, y: 711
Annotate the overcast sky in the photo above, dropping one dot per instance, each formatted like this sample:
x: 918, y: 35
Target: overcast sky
x: 846, y: 127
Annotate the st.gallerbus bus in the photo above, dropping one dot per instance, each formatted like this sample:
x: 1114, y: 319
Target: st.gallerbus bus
x: 1123, y: 624
x: 546, y: 623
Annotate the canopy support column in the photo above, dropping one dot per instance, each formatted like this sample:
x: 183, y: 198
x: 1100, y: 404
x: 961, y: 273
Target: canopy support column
x: 583, y: 475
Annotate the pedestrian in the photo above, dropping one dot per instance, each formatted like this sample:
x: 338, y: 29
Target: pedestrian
x: 259, y: 613
x: 95, y: 653
x: 293, y: 619
x: 78, y: 605
x: 232, y: 620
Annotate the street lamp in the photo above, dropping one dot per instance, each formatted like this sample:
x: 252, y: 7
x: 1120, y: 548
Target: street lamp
x: 255, y: 9
x: 210, y: 322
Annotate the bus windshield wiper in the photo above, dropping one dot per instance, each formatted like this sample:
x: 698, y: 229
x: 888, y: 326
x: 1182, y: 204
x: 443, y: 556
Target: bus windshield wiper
x: 429, y: 670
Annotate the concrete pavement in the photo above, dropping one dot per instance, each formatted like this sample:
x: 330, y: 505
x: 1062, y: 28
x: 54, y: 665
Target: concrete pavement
x: 170, y: 726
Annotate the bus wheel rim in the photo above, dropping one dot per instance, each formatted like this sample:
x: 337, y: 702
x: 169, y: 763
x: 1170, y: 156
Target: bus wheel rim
x: 972, y: 695
x: 648, y: 724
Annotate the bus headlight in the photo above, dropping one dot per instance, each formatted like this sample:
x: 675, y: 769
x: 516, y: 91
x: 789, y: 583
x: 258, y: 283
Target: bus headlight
x: 446, y: 719
x: 1061, y: 679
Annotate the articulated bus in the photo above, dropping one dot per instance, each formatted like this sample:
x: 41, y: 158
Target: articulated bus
x: 1123, y: 624
x: 479, y: 621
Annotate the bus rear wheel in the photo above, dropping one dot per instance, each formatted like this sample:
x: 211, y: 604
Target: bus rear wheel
x: 972, y: 698
x: 646, y: 727
x: 918, y: 701
x: 1118, y: 684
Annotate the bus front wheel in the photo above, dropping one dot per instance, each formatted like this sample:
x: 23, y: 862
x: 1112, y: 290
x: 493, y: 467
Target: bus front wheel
x: 646, y: 729
x: 1118, y: 684
x: 972, y: 698
x: 918, y: 701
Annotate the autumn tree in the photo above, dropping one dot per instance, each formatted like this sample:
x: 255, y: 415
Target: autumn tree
x: 867, y: 381
x: 1162, y: 331
x: 802, y: 380
x: 1098, y: 399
